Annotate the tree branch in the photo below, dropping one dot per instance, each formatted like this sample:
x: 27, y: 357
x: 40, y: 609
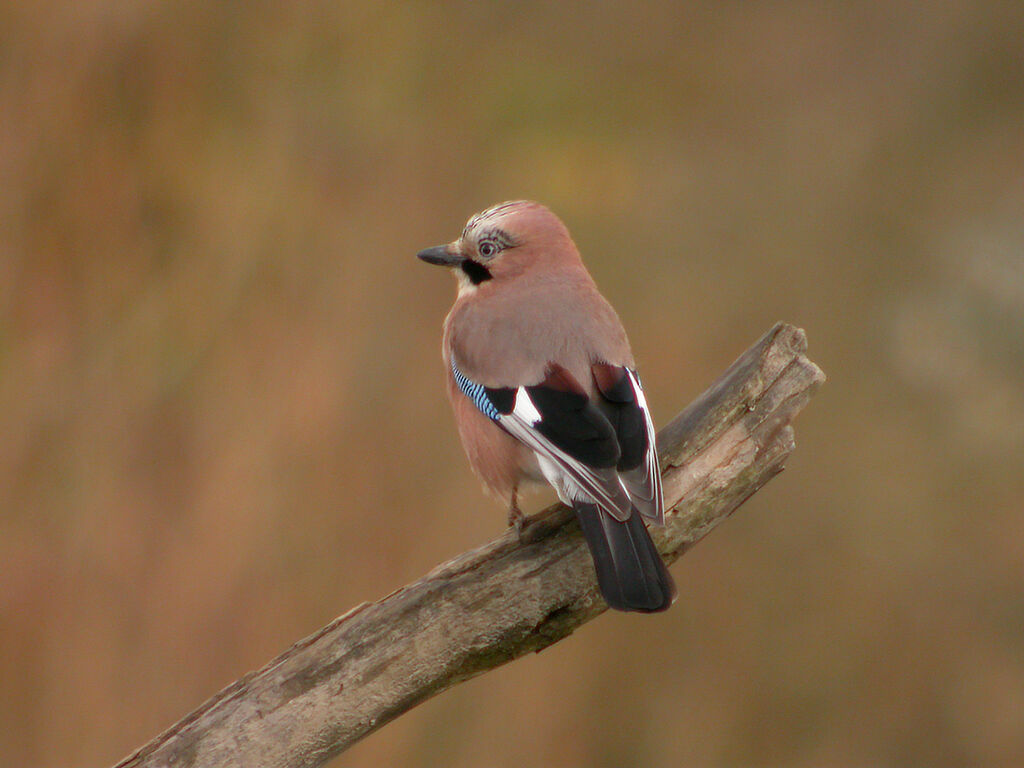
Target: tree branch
x: 496, y: 603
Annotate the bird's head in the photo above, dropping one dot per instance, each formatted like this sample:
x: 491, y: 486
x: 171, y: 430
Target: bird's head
x: 503, y: 242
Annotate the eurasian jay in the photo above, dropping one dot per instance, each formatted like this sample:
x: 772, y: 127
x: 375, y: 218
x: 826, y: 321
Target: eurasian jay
x: 544, y: 387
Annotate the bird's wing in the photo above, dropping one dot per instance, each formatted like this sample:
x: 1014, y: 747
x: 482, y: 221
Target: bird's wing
x: 621, y: 399
x: 562, y: 425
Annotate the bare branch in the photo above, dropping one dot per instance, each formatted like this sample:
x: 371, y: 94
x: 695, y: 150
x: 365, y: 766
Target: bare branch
x: 496, y: 603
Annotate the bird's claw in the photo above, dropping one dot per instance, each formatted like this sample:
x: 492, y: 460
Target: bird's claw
x: 516, y: 519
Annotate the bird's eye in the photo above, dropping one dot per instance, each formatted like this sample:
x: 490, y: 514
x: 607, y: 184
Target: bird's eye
x: 487, y: 248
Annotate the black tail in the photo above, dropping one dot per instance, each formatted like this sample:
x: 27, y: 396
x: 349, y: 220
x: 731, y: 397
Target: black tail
x: 630, y: 571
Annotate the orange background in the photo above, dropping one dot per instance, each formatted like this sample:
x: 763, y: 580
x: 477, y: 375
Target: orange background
x: 222, y: 416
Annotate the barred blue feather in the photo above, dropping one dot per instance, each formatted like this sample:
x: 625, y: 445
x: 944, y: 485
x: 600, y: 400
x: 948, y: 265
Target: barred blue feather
x: 475, y: 392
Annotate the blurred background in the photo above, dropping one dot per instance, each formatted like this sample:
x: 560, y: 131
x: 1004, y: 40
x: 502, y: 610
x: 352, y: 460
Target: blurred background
x: 222, y: 411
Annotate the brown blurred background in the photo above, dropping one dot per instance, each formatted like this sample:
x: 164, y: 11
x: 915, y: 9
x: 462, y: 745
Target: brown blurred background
x: 222, y: 419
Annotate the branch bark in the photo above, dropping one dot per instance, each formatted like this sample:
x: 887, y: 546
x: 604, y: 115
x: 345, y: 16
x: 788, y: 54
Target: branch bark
x: 496, y: 603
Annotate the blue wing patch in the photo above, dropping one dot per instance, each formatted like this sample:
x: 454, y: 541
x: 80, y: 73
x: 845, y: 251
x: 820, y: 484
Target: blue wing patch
x: 492, y: 401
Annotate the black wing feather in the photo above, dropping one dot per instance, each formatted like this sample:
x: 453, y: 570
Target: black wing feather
x: 570, y: 421
x: 619, y: 404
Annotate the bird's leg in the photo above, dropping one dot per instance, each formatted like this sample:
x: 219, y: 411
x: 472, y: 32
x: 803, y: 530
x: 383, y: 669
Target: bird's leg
x: 515, y: 514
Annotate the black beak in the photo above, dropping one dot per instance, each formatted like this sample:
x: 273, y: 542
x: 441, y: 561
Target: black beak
x: 442, y: 255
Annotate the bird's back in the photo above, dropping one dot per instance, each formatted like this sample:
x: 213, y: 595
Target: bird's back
x: 504, y: 338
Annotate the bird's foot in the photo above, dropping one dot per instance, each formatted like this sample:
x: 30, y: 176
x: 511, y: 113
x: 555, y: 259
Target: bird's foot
x: 516, y: 518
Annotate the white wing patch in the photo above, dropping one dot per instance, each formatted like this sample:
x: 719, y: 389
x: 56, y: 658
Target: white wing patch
x: 525, y: 409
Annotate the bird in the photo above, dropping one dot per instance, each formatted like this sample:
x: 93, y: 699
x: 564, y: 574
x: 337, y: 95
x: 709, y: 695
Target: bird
x: 544, y: 387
